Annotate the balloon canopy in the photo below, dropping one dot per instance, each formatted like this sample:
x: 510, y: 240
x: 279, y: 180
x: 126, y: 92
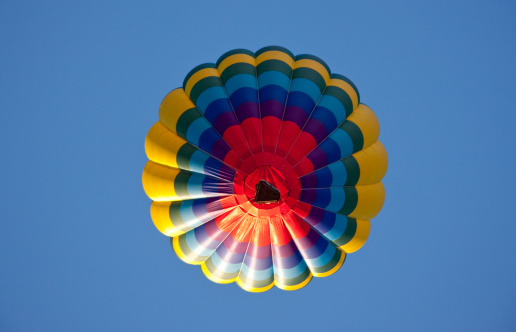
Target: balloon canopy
x: 264, y: 168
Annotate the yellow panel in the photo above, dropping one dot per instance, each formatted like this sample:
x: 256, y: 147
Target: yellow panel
x: 335, y: 268
x: 295, y: 287
x: 275, y: 55
x: 161, y: 218
x: 360, y: 237
x: 313, y: 65
x: 162, y: 145
x: 172, y: 107
x: 158, y: 182
x: 206, y: 72
x: 213, y: 277
x: 235, y: 58
x: 365, y: 119
x: 180, y: 254
x: 373, y: 163
x: 370, y: 201
x: 346, y: 87
x: 253, y: 289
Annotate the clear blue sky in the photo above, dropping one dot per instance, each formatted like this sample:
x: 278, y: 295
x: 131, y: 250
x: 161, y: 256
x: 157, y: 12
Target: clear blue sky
x: 81, y: 83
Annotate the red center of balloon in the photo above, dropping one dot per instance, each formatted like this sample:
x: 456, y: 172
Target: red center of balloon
x: 272, y: 173
x: 266, y: 185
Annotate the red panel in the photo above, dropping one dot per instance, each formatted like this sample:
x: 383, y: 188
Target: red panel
x: 279, y: 233
x: 302, y: 209
x: 228, y: 202
x: 297, y: 227
x: 288, y: 134
x: 253, y: 133
x: 243, y: 232
x: 303, y: 145
x: 236, y: 140
x: 261, y: 234
x: 304, y: 167
x: 270, y: 128
x: 226, y: 222
x: 232, y: 159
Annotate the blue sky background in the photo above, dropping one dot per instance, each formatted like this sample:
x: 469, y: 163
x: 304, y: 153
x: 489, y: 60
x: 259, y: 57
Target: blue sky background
x: 81, y: 83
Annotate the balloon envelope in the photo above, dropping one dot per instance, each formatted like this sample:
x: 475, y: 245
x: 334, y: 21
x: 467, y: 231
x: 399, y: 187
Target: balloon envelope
x: 265, y: 169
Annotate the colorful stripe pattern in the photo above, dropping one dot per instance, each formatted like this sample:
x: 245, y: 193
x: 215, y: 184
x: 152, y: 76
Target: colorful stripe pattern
x: 274, y: 117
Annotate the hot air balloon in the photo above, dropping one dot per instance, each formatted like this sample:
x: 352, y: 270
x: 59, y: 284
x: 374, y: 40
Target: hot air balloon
x: 264, y: 168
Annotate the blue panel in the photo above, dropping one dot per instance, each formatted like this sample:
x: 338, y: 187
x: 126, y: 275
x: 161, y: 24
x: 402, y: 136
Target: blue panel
x: 334, y: 105
x: 344, y: 141
x: 322, y: 198
x: 216, y: 108
x: 196, y: 128
x: 222, y: 265
x: 324, y: 178
x: 274, y: 77
x: 208, y: 96
x: 302, y: 100
x: 307, y: 196
x: 325, y: 256
x: 197, y: 161
x: 318, y: 156
x: 208, y: 138
x: 331, y: 150
x: 240, y: 81
x: 317, y: 247
x: 212, y: 168
x: 340, y: 174
x: 307, y: 86
x: 321, y: 219
x: 200, y: 210
x: 195, y: 185
x: 257, y: 274
x: 341, y: 222
x: 273, y: 92
x: 193, y: 244
x: 211, y: 187
x: 337, y: 198
x: 186, y: 212
x: 326, y: 117
x: 309, y: 181
x: 292, y: 272
x: 244, y: 95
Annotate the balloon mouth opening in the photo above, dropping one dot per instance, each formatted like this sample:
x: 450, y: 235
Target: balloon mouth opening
x: 266, y: 193
x: 266, y: 187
